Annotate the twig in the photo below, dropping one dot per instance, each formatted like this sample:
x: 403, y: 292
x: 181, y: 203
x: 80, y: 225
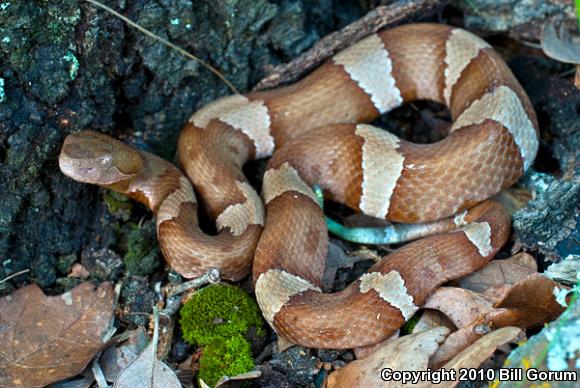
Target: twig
x: 98, y: 372
x: 373, y: 21
x: 14, y: 275
x: 211, y: 276
x: 165, y: 42
x: 155, y: 339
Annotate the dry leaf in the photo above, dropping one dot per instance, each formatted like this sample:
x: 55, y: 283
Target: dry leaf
x: 409, y: 353
x: 529, y: 303
x: 564, y: 48
x: 504, y: 293
x: 496, y: 273
x: 44, y: 339
x: 525, y: 260
x: 460, y: 305
x: 284, y: 344
x: 458, y: 341
x: 513, y: 198
x: 468, y: 310
x: 147, y: 372
x: 364, y: 351
x: 480, y: 351
x: 433, y: 318
x: 117, y: 358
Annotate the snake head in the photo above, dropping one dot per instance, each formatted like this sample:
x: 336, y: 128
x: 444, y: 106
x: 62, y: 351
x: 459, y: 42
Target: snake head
x: 92, y: 157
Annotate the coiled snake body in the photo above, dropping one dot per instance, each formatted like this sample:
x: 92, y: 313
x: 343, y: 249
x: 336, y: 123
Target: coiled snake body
x: 315, y: 126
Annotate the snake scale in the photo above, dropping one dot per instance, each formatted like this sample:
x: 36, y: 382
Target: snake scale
x: 317, y: 129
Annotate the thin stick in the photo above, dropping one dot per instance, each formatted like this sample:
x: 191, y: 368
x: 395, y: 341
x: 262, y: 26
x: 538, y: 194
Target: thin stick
x: 155, y: 338
x: 166, y: 43
x: 372, y: 22
x: 14, y: 275
x: 211, y: 276
x: 98, y: 372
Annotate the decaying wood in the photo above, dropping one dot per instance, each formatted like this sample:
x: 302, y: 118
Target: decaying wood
x: 378, y: 18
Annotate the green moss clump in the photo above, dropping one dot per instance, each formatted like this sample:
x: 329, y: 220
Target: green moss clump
x: 225, y: 358
x: 219, y: 312
x: 218, y: 318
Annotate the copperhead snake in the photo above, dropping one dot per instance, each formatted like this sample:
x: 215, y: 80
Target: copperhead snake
x: 317, y: 128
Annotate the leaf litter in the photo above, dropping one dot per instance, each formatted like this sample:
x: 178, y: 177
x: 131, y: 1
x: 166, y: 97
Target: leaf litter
x: 44, y: 339
x: 147, y: 371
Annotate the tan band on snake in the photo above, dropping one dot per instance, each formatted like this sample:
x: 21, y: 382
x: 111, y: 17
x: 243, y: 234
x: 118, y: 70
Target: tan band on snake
x: 317, y: 128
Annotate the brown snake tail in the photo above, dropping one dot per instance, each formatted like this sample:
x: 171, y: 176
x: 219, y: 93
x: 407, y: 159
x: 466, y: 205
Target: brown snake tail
x: 317, y: 128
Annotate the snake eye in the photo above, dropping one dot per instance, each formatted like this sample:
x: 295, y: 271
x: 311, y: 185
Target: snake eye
x: 106, y: 160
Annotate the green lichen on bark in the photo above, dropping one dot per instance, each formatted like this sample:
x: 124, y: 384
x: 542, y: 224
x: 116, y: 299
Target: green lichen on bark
x: 119, y: 205
x: 143, y: 255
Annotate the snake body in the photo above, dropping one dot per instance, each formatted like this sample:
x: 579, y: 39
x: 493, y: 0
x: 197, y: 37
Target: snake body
x: 317, y: 127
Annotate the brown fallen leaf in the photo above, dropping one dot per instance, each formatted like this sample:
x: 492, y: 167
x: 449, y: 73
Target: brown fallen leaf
x: 364, y: 351
x: 460, y: 305
x: 480, y: 351
x: 469, y: 311
x: 459, y: 340
x: 409, y: 353
x: 524, y: 259
x: 529, y: 303
x: 283, y: 344
x: 433, y: 318
x: 513, y: 198
x: 496, y: 273
x: 44, y: 339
